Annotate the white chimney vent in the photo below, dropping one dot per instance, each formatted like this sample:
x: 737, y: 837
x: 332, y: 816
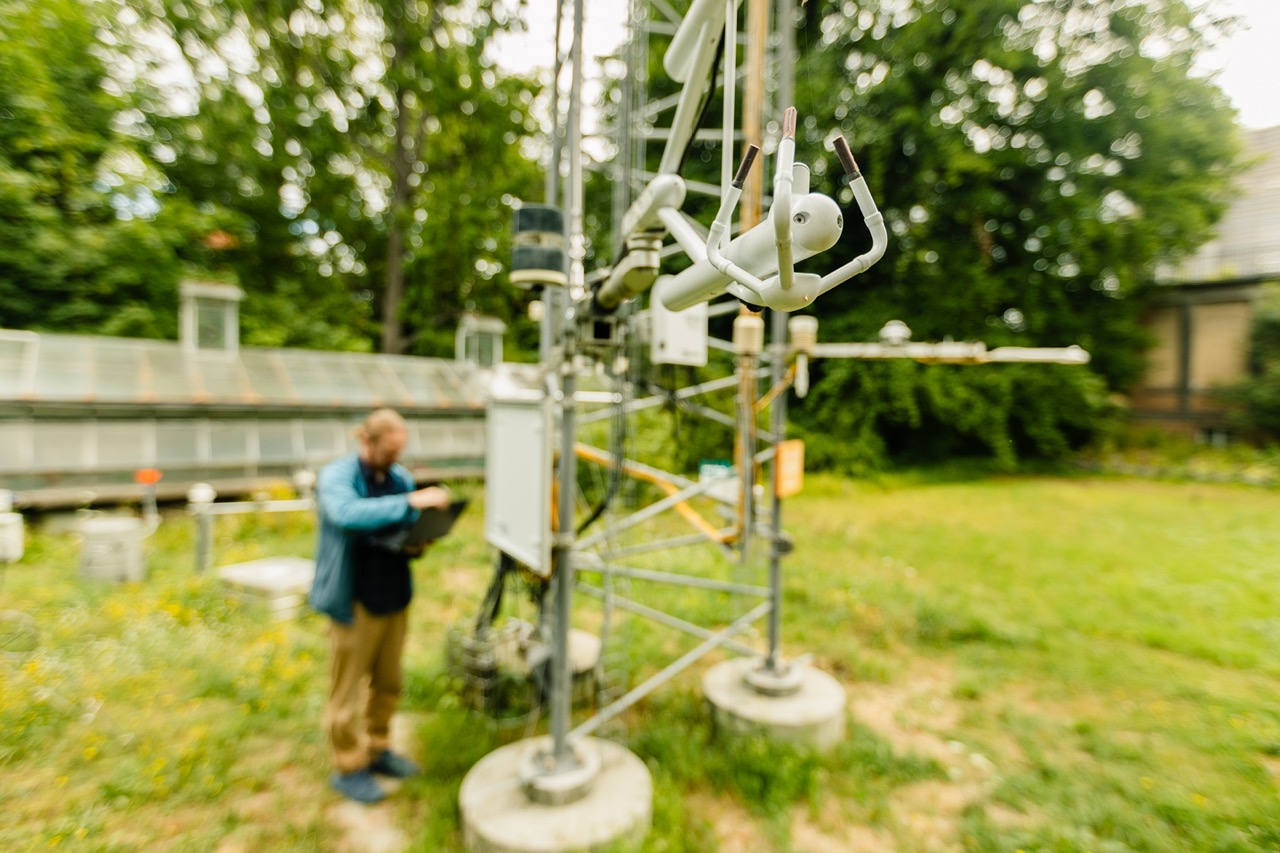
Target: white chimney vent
x: 210, y: 319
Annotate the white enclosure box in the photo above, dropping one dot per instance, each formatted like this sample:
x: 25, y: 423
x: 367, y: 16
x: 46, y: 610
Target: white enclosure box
x: 678, y: 337
x: 278, y: 583
x: 112, y: 549
x: 12, y: 540
x: 518, y: 477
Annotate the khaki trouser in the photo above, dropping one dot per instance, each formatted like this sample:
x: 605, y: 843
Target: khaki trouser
x: 365, y: 658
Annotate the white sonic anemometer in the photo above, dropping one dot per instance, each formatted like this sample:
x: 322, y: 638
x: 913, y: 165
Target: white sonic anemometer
x: 758, y: 266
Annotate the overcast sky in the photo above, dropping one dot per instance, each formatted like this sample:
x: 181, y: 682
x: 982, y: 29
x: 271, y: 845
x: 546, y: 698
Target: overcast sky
x: 1247, y: 64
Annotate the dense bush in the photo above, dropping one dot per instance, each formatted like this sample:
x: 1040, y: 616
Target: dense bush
x: 862, y: 416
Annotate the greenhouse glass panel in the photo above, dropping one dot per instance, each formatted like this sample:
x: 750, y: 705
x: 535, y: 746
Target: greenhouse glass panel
x: 310, y: 378
x: 420, y: 443
x: 170, y: 376
x: 212, y: 317
x: 467, y: 439
x: 267, y: 376
x: 124, y: 445
x: 463, y: 439
x: 484, y: 350
x: 420, y: 446
x: 419, y: 382
x: 119, y: 372
x: 64, y: 370
x: 275, y: 442
x: 61, y: 447
x: 229, y: 442
x: 451, y: 383
x: 347, y: 385
x: 431, y: 440
x: 220, y: 377
x: 324, y: 440
x: 381, y: 382
x: 178, y: 444
x: 14, y: 352
x: 15, y: 445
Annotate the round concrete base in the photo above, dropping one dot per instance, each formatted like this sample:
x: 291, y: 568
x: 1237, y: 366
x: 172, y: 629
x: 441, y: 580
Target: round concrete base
x: 812, y: 715
x: 499, y: 817
x: 567, y: 784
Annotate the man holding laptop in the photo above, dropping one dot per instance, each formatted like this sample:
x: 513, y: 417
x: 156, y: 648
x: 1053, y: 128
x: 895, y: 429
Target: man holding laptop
x: 367, y: 502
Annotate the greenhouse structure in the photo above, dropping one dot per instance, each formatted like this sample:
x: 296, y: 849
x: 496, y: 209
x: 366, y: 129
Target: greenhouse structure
x: 81, y: 416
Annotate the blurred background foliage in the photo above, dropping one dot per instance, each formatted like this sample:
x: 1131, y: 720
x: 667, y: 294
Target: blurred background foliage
x: 1034, y: 162
x: 357, y: 159
x: 352, y: 167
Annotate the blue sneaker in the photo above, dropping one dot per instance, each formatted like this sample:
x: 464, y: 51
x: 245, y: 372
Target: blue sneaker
x: 358, y: 785
x: 395, y: 766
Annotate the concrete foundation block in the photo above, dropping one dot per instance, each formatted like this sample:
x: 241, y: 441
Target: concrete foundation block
x: 499, y: 817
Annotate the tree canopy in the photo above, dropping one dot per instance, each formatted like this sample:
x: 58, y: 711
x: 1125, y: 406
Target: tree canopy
x: 1033, y: 161
x: 346, y: 164
x: 74, y: 254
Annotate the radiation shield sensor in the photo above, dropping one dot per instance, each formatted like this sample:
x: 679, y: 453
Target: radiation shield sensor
x: 518, y: 478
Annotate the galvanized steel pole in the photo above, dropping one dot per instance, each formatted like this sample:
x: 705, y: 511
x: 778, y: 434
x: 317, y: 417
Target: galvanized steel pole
x: 561, y: 672
x: 778, y: 337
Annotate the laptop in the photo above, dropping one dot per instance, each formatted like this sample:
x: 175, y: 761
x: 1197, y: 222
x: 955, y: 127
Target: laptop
x: 431, y: 525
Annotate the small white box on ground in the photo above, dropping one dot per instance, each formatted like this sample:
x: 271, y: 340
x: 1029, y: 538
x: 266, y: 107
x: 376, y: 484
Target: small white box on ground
x: 280, y: 584
x: 112, y: 548
x: 12, y: 539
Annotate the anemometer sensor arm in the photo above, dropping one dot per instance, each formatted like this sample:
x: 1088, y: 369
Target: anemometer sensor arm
x: 748, y: 266
x: 720, y: 227
x: 758, y: 266
x: 871, y: 216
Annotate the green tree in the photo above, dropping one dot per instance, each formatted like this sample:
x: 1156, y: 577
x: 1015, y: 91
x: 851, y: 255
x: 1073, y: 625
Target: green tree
x: 81, y: 246
x: 1033, y: 161
x: 334, y: 134
x: 454, y: 165
x: 226, y: 105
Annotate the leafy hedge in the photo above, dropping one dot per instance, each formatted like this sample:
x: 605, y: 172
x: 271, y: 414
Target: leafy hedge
x: 863, y: 416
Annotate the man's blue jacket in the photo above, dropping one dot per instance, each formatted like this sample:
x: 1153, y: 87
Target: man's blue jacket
x: 345, y: 511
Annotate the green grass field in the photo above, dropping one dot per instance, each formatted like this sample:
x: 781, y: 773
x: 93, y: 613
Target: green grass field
x: 1032, y: 664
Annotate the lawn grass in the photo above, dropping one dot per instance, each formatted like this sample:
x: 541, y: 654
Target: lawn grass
x: 1032, y: 663
x: 1112, y: 644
